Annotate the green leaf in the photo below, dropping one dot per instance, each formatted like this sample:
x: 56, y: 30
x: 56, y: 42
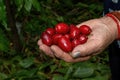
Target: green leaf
x: 36, y: 5
x: 27, y: 62
x: 45, y: 64
x: 27, y: 73
x: 3, y: 14
x: 53, y: 68
x: 98, y: 77
x: 42, y: 75
x: 103, y: 69
x: 19, y: 4
x: 2, y: 11
x: 68, y: 73
x: 58, y: 77
x: 28, y: 5
x: 62, y: 70
x: 83, y: 72
x: 2, y: 76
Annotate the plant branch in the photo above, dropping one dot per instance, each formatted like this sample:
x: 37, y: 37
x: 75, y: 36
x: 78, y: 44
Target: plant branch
x: 12, y: 25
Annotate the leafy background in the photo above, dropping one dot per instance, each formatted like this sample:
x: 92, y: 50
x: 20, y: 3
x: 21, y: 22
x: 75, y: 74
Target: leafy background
x: 31, y: 17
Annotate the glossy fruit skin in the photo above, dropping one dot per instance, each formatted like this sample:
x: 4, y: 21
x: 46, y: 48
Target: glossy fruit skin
x: 46, y: 38
x: 50, y: 31
x: 61, y: 28
x: 65, y: 44
x: 55, y: 38
x: 75, y: 42
x: 67, y: 36
x: 74, y: 32
x: 84, y: 29
x: 82, y: 39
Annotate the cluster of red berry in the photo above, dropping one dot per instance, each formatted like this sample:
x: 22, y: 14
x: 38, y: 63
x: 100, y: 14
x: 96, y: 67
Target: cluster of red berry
x: 66, y: 36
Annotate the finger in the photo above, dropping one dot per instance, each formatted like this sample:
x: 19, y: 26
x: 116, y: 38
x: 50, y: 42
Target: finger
x: 39, y: 42
x: 87, y: 49
x: 46, y: 50
x: 66, y: 56
x: 93, y: 21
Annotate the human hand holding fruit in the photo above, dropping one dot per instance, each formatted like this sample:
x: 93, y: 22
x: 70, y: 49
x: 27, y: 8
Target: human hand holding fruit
x: 66, y: 36
x: 63, y: 38
x: 101, y: 36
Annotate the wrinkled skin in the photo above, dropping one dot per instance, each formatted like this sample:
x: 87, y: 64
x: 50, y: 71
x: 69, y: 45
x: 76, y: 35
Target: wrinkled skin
x: 104, y: 32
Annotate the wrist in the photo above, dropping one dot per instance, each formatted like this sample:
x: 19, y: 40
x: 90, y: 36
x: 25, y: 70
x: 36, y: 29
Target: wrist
x: 116, y: 17
x: 111, y: 26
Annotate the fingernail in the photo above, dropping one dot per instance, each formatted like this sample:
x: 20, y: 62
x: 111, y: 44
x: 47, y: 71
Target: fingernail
x: 75, y: 55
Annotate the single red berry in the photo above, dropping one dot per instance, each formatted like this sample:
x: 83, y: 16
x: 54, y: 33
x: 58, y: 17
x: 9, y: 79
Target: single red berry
x: 84, y: 29
x: 65, y: 44
x: 82, y: 39
x: 74, y: 31
x: 75, y: 42
x: 55, y: 38
x: 62, y: 28
x: 46, y: 38
x: 50, y: 31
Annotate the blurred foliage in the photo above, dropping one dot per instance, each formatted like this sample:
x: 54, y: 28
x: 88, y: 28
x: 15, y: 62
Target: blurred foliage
x: 34, y: 16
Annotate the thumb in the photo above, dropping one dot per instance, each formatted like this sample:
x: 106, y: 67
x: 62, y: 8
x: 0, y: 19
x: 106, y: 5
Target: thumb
x: 91, y: 47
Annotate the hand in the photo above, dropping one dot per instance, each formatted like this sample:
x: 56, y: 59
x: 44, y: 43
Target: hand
x: 104, y: 32
x: 55, y: 51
